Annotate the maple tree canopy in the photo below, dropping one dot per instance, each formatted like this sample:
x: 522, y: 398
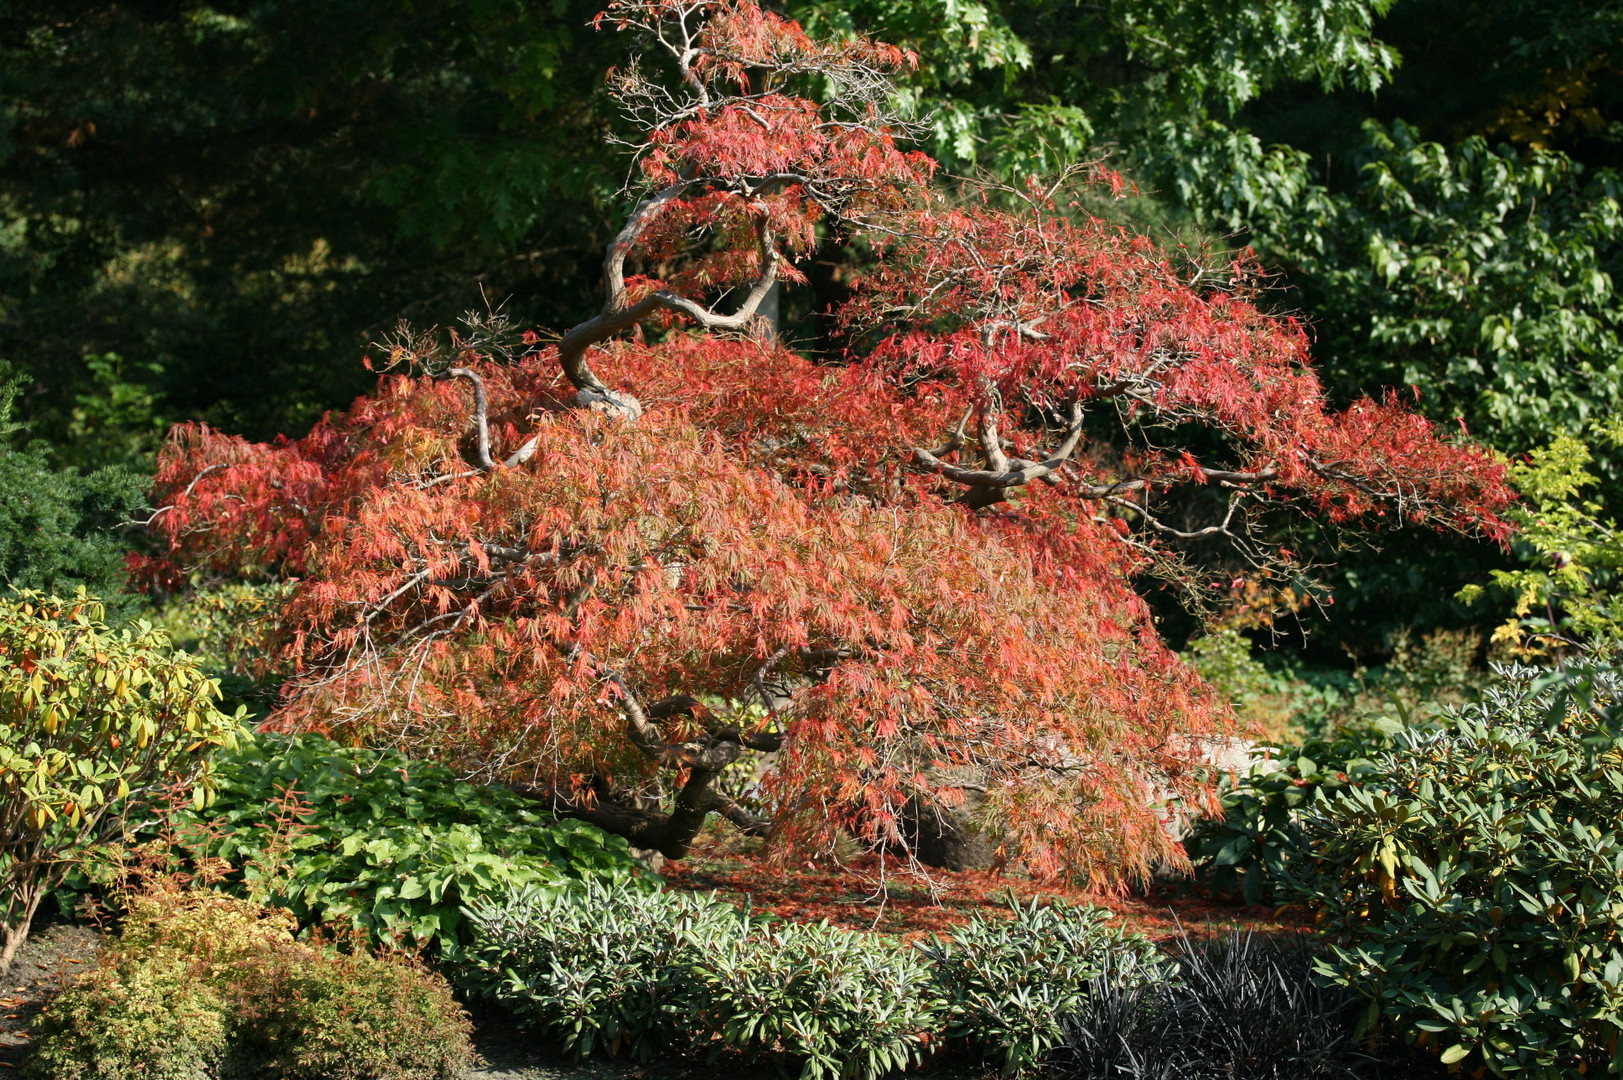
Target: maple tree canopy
x: 610, y: 566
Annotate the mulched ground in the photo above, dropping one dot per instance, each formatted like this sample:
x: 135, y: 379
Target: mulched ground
x: 862, y: 895
x: 54, y: 952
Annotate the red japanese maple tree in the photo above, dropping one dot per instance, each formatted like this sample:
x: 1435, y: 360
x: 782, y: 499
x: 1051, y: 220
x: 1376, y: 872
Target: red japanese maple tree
x: 603, y: 569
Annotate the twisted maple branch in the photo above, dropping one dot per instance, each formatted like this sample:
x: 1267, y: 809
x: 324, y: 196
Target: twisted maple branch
x: 618, y: 315
x: 991, y: 484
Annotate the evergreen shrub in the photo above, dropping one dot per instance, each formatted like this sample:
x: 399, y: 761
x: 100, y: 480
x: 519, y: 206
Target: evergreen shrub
x: 1009, y: 983
x: 1473, y: 882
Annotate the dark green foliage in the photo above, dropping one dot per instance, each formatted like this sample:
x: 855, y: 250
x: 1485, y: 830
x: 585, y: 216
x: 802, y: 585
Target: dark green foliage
x: 1008, y: 983
x: 1019, y: 85
x: 1481, y: 276
x: 1528, y: 72
x: 376, y: 840
x: 1241, y: 1008
x: 56, y: 525
x: 204, y: 987
x: 1473, y: 881
x: 1249, y: 848
x: 209, y: 212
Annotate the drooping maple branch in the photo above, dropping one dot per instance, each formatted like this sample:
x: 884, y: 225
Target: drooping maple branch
x: 733, y: 61
x: 481, y: 427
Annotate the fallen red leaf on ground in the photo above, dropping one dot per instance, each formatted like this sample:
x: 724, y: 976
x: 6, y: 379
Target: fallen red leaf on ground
x: 863, y: 895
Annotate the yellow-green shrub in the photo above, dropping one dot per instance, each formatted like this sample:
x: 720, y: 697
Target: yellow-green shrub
x: 203, y: 986
x: 132, y: 1019
x: 90, y: 719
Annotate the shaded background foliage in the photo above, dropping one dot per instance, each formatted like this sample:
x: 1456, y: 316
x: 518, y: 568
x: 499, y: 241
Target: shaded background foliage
x: 207, y: 211
x: 57, y: 524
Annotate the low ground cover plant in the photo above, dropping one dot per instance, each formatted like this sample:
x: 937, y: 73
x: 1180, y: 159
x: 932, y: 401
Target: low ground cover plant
x: 373, y: 839
x: 843, y: 1002
x: 1473, y: 881
x: 1008, y: 983
x: 605, y: 967
x: 600, y: 967
x: 202, y: 986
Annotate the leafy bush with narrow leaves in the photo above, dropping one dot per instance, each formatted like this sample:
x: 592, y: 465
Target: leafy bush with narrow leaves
x: 1474, y: 880
x: 203, y: 986
x: 379, y: 841
x: 606, y: 967
x: 1008, y: 983
x: 844, y: 1002
x: 600, y: 967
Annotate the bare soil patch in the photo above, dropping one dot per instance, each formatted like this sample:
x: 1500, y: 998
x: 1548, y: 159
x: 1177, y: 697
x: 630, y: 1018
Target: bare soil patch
x: 54, y: 953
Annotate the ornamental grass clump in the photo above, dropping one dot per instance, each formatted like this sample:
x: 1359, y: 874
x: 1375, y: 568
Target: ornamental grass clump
x: 1473, y: 883
x: 1242, y: 1007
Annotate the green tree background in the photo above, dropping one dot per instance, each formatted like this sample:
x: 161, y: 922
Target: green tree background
x: 208, y: 210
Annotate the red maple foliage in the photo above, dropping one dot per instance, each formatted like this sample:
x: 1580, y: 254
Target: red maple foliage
x: 504, y: 562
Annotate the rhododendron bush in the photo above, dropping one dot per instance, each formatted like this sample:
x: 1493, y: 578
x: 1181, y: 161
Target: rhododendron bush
x: 606, y: 567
